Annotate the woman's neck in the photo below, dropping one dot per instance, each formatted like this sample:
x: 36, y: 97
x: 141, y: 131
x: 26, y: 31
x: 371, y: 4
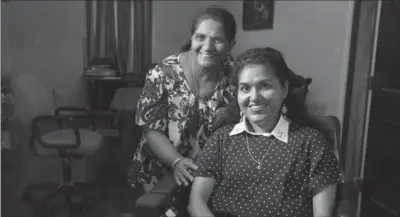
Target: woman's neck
x: 206, y: 74
x: 203, y: 73
x: 266, y: 126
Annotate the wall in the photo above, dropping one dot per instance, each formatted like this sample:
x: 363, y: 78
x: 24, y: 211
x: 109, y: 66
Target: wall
x: 314, y: 36
x: 5, y: 39
x: 45, y: 38
x: 171, y: 25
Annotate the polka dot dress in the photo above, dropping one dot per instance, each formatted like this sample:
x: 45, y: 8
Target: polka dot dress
x: 284, y: 185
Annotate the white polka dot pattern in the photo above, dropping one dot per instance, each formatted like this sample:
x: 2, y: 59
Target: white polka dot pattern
x: 284, y: 185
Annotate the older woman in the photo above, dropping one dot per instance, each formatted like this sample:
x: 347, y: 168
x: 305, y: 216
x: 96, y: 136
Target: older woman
x: 270, y: 163
x: 180, y: 99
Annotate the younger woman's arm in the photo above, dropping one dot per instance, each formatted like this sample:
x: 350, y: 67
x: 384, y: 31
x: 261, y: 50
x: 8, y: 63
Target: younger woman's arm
x: 324, y: 202
x: 324, y: 176
x: 207, y: 176
x: 202, y: 188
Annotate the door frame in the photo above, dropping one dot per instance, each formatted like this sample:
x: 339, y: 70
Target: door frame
x: 368, y: 103
x: 364, y: 38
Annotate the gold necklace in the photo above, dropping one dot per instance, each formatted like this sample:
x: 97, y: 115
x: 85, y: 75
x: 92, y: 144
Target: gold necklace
x: 251, y: 156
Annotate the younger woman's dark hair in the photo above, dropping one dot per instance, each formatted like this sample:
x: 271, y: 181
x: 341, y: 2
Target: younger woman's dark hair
x: 272, y: 58
x: 218, y: 14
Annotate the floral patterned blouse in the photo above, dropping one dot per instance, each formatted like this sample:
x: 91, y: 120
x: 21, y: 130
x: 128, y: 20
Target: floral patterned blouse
x: 167, y: 104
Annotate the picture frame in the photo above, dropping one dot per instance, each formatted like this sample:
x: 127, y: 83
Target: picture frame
x: 258, y: 14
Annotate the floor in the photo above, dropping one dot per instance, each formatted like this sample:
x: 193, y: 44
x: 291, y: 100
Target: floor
x: 12, y: 206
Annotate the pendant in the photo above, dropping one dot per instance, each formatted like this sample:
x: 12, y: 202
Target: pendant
x: 259, y: 167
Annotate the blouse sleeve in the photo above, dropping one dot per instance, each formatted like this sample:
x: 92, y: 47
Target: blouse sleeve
x: 209, y: 160
x: 152, y: 108
x: 324, y: 170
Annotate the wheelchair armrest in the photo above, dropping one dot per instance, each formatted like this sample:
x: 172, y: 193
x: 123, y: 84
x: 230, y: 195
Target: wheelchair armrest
x: 345, y: 200
x: 155, y: 202
x: 345, y: 209
x: 166, y: 186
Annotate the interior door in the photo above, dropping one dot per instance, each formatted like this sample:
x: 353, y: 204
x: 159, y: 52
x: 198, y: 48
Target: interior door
x: 381, y: 185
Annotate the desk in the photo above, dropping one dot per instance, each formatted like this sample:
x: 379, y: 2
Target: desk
x: 100, y: 90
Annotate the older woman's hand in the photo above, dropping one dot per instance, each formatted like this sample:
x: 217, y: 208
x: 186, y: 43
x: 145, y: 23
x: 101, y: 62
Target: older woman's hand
x: 182, y: 171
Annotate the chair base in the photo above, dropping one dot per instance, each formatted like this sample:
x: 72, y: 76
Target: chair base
x: 86, y: 192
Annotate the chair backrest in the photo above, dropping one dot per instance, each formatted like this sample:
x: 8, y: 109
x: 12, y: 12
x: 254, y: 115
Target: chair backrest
x: 330, y: 127
x: 31, y: 98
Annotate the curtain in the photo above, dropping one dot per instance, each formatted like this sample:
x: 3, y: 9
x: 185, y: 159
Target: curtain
x: 120, y: 30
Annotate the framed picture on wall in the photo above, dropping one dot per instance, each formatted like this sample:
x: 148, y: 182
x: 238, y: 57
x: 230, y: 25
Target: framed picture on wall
x: 258, y: 14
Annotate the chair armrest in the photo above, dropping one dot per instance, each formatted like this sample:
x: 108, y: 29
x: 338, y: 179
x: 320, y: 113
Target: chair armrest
x: 166, y: 186
x: 345, y: 198
x: 36, y: 134
x: 154, y: 203
x: 345, y: 209
x: 89, y: 114
x: 70, y: 108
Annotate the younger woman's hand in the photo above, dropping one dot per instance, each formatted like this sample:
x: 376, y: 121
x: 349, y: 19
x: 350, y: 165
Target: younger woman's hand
x: 182, y: 171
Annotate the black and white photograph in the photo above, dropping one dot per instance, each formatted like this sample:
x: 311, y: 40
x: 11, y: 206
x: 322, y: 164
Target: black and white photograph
x: 242, y: 108
x: 258, y: 14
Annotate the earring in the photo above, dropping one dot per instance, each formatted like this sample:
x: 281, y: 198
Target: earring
x: 241, y: 116
x: 284, y: 110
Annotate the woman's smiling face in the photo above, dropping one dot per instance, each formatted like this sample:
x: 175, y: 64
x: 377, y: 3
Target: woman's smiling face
x: 209, y: 43
x: 260, y: 94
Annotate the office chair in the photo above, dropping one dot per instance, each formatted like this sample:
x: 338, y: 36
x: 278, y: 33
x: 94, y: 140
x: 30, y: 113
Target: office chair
x: 34, y: 106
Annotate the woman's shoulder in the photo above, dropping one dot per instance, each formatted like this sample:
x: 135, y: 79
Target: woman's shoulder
x: 224, y: 130
x: 223, y: 134
x: 168, y: 66
x: 171, y: 62
x: 311, y: 138
x: 171, y: 59
x: 304, y: 131
x: 220, y: 137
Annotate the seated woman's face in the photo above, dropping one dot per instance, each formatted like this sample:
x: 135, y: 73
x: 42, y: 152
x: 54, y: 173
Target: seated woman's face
x: 209, y: 43
x: 260, y: 94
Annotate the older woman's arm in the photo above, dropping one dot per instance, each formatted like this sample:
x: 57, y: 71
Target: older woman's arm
x: 152, y: 116
x: 167, y: 153
x: 324, y: 202
x: 202, y: 188
x: 161, y: 146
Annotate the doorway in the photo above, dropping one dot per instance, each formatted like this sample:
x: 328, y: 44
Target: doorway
x: 371, y: 129
x: 371, y: 132
x: 381, y: 168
